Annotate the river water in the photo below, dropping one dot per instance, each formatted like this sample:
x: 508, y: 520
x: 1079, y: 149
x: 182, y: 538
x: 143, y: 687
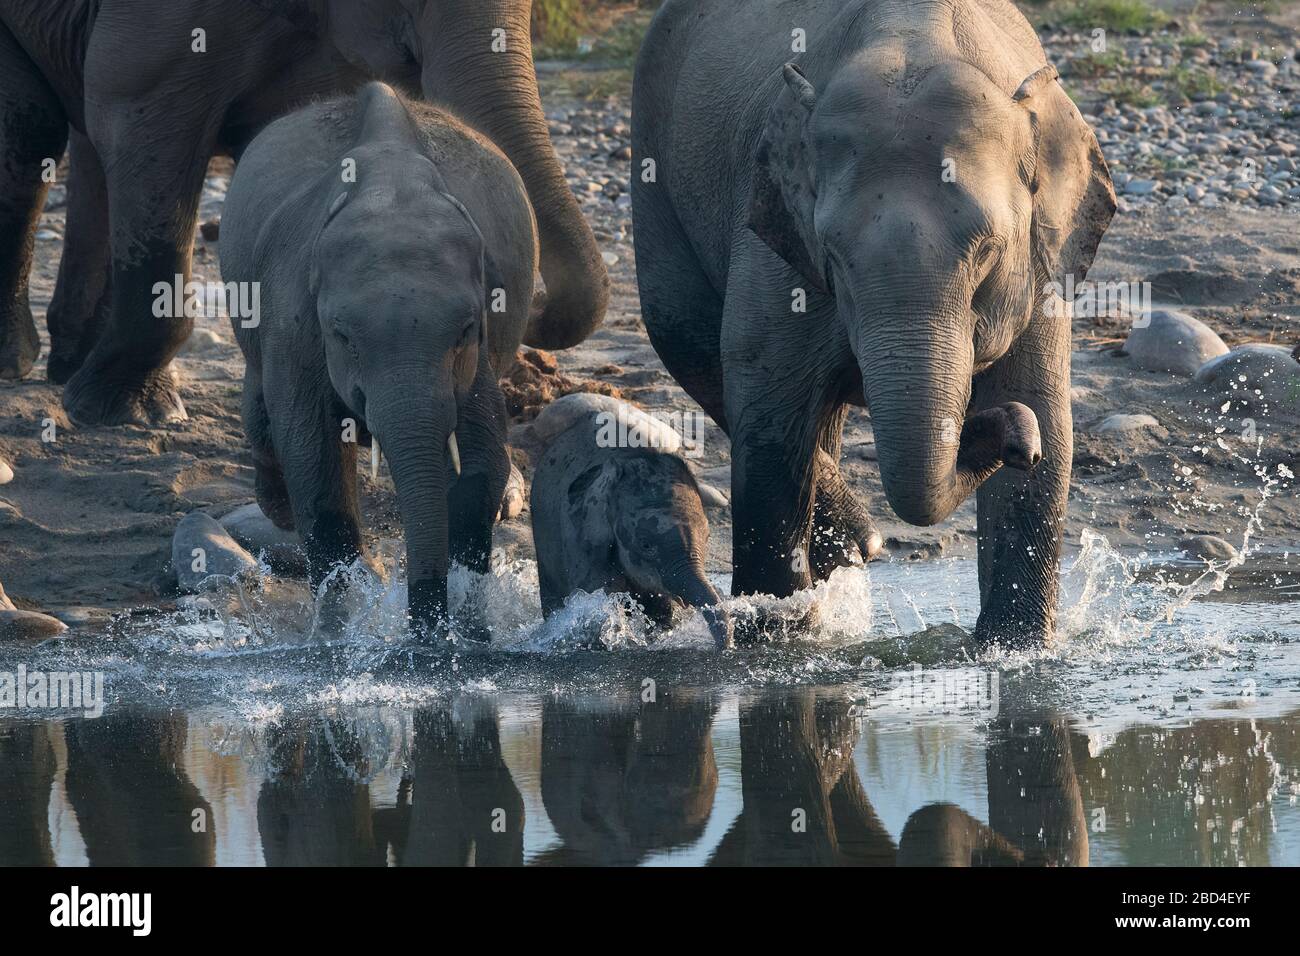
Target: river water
x: 1163, y: 727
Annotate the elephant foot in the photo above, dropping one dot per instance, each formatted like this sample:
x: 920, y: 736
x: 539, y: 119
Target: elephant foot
x: 769, y: 626
x: 843, y: 534
x: 99, y: 397
x: 337, y: 599
x: 21, y: 345
x: 427, y: 615
x: 1011, y: 630
x: 436, y: 636
x: 62, y: 365
x: 473, y: 631
x: 835, y: 546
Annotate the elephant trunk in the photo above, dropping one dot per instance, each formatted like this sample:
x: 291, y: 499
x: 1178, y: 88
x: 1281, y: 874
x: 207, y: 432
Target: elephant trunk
x: 495, y: 90
x: 415, y: 431
x: 687, y: 580
x: 917, y: 382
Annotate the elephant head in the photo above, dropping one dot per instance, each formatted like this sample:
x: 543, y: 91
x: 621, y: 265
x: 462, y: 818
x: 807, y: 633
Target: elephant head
x: 475, y: 57
x: 399, y: 274
x: 646, y: 506
x: 936, y: 205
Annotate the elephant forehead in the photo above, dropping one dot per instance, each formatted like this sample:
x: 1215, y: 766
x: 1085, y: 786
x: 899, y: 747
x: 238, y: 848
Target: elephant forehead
x: 940, y: 95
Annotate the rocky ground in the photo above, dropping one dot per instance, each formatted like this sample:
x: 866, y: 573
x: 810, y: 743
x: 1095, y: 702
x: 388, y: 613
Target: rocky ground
x: 1189, y: 120
x: 1201, y: 132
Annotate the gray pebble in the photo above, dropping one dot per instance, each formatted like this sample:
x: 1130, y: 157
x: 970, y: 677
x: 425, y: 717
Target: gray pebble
x: 254, y: 531
x: 28, y: 626
x: 1126, y: 423
x: 1266, y: 377
x: 1207, y: 547
x: 1173, y: 342
x: 218, y: 554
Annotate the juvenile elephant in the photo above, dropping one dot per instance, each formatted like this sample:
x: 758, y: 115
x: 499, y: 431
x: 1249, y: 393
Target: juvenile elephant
x: 152, y: 90
x: 622, y: 520
x: 878, y: 220
x: 378, y: 304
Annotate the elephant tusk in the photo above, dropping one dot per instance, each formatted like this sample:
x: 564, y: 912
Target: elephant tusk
x: 374, y: 458
x: 455, y: 452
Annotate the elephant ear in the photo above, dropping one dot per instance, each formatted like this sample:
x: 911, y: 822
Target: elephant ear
x: 784, y: 192
x: 313, y: 270
x: 588, y: 501
x: 1074, y: 198
x: 492, y: 276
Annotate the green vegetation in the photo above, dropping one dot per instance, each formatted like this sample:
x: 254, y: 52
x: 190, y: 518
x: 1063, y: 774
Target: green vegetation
x: 1130, y: 92
x: 601, y: 38
x: 1192, y: 82
x: 558, y: 24
x: 1094, y: 65
x: 1114, y: 15
x: 620, y: 44
x: 1189, y: 41
x: 608, y: 32
x: 587, y: 85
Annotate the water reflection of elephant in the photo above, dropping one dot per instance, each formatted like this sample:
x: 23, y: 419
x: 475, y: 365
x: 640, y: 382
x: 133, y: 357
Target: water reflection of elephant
x: 26, y: 774
x: 803, y: 802
x: 622, y: 782
x: 134, y: 801
x: 314, y: 806
x: 456, y: 806
x: 1035, y: 809
x: 459, y: 806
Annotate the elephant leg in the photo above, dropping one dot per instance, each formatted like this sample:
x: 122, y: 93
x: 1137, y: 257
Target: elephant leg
x: 787, y: 815
x: 680, y: 307
x: 81, y: 300
x: 33, y: 134
x: 553, y: 593
x: 772, y: 485
x: 475, y: 497
x: 153, y: 178
x: 490, y: 801
x: 1021, y: 515
x: 780, y: 409
x: 843, y: 533
x: 320, y: 472
x: 272, y: 493
x: 1034, y: 798
x: 658, y: 607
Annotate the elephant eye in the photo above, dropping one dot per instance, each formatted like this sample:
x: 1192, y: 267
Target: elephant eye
x: 828, y: 273
x: 986, y: 254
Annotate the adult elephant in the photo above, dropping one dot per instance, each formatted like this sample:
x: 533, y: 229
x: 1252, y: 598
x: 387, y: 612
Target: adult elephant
x: 877, y: 220
x: 151, y: 90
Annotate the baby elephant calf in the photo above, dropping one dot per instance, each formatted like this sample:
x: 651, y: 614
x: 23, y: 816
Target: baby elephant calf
x: 626, y: 520
x: 394, y: 250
